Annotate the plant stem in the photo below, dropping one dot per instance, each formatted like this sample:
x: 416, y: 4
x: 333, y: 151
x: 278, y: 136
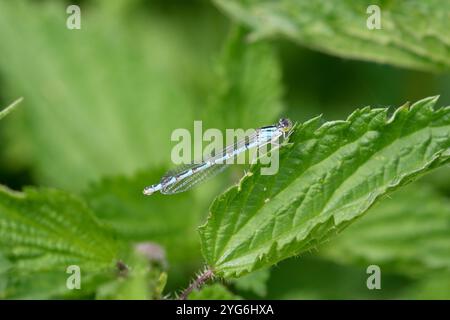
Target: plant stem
x: 197, y: 283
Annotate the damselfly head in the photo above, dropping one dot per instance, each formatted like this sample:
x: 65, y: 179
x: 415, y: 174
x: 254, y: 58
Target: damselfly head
x: 285, y: 124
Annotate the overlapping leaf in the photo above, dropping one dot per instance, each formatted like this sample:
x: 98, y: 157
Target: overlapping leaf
x: 44, y: 231
x: 330, y: 175
x: 413, y: 33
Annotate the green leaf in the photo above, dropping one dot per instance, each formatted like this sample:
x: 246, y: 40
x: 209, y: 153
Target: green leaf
x: 327, y: 177
x: 214, y: 291
x: 9, y: 108
x: 407, y: 233
x: 247, y: 91
x: 413, y: 33
x: 44, y: 231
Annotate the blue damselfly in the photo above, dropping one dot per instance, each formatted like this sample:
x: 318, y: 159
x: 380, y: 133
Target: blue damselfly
x: 187, y: 176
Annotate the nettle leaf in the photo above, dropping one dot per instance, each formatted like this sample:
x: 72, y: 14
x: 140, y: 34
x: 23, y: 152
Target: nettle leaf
x: 413, y: 33
x: 328, y: 176
x: 9, y: 108
x: 407, y: 233
x: 247, y: 91
x: 47, y: 230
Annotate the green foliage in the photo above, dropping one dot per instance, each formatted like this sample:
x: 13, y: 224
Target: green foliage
x: 44, y: 231
x: 407, y: 233
x: 328, y: 176
x: 98, y: 104
x: 413, y: 33
x: 102, y: 102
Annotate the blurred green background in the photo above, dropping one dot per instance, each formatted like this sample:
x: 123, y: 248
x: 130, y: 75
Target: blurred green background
x: 100, y: 104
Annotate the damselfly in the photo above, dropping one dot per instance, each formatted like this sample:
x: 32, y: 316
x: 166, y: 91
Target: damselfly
x: 185, y: 177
